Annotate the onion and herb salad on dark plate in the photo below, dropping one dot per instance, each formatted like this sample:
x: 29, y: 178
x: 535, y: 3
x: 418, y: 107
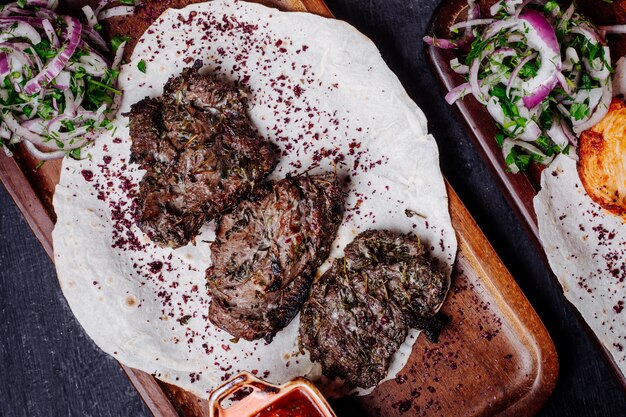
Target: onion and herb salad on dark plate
x: 543, y: 73
x: 57, y: 87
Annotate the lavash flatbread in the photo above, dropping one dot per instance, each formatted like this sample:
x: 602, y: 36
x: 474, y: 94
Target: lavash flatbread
x: 586, y: 248
x: 321, y: 91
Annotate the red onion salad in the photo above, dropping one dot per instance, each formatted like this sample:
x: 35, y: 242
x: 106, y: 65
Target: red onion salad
x: 57, y: 88
x: 544, y: 75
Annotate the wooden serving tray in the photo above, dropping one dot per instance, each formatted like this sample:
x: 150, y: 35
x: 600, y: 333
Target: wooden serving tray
x: 495, y: 356
x: 519, y: 189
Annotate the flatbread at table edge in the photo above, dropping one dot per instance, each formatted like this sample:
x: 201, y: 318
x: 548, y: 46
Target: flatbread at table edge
x: 586, y: 248
x: 321, y: 91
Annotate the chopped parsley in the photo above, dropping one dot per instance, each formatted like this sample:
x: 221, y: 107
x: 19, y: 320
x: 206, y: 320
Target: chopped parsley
x: 579, y: 111
x: 117, y: 40
x: 141, y: 65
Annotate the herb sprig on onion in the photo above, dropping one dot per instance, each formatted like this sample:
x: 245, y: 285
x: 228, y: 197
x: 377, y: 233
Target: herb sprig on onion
x: 542, y: 72
x: 57, y: 88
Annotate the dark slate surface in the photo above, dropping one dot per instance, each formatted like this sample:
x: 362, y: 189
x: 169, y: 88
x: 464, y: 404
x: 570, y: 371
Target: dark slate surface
x: 48, y: 366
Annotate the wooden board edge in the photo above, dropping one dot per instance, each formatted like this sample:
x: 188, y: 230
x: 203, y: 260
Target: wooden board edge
x: 317, y: 7
x: 497, y: 277
x: 150, y: 392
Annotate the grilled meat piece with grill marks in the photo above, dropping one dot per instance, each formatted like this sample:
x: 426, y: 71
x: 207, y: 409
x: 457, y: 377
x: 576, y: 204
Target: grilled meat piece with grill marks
x: 201, y: 153
x: 267, y: 252
x: 361, y: 309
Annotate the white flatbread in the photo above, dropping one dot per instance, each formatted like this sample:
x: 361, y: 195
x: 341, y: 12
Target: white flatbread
x: 321, y: 91
x: 586, y: 248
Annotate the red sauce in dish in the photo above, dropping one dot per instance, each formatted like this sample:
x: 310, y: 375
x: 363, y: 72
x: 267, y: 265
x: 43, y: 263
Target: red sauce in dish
x: 294, y: 404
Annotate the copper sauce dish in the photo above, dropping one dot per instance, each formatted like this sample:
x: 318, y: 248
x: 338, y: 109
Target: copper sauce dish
x: 297, y: 398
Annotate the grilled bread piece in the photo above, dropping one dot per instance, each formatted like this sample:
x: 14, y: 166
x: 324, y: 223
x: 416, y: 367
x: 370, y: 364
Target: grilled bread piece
x: 602, y: 160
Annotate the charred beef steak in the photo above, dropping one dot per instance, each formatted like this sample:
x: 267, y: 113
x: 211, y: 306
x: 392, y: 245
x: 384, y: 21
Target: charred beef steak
x: 201, y: 155
x: 361, y: 309
x: 267, y: 252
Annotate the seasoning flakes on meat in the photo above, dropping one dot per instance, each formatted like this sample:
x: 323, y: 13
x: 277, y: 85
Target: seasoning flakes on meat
x: 361, y: 309
x: 267, y: 252
x: 201, y: 154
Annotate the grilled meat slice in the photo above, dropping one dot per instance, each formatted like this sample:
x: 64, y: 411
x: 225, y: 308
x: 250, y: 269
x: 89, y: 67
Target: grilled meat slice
x: 201, y: 153
x: 361, y: 309
x: 267, y: 252
x: 601, y: 162
x: 146, y: 124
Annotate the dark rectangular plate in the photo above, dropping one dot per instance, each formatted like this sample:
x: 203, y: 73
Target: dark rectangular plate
x: 519, y: 189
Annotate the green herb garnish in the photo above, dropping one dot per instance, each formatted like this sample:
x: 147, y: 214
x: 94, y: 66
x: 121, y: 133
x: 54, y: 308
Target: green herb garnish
x: 141, y: 65
x: 117, y: 40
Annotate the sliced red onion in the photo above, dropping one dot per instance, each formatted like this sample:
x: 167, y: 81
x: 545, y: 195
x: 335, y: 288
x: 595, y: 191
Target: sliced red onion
x: 560, y: 107
x: 473, y: 76
x: 442, y: 43
x: 41, y: 155
x: 567, y: 15
x: 507, y: 146
x: 509, y: 6
x: 92, y: 20
x: 37, y: 3
x: 614, y: 29
x: 601, y: 110
x: 116, y: 11
x: 501, y: 53
x: 589, y: 33
x: 458, y: 92
x: 470, y: 23
x: 564, y: 84
x: 32, y: 25
x: 91, y: 34
x: 542, y: 38
x: 70, y: 102
x: 58, y: 63
x: 516, y: 71
x: 599, y: 69
x: 14, y: 126
x: 37, y: 126
x: 56, y: 124
x: 101, y: 5
x: 16, y: 54
x: 573, y: 140
x: 571, y: 59
x: 556, y: 134
x: 33, y: 21
x: 497, y: 26
x: 22, y: 30
x: 52, y: 35
x: 531, y: 132
x: 473, y: 13
x: 62, y: 81
x: 119, y: 54
x: 4, y: 65
x: 5, y: 133
x: 545, y: 159
x: 593, y: 96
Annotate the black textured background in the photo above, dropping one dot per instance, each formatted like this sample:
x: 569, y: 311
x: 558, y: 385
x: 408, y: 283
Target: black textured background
x: 48, y: 367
